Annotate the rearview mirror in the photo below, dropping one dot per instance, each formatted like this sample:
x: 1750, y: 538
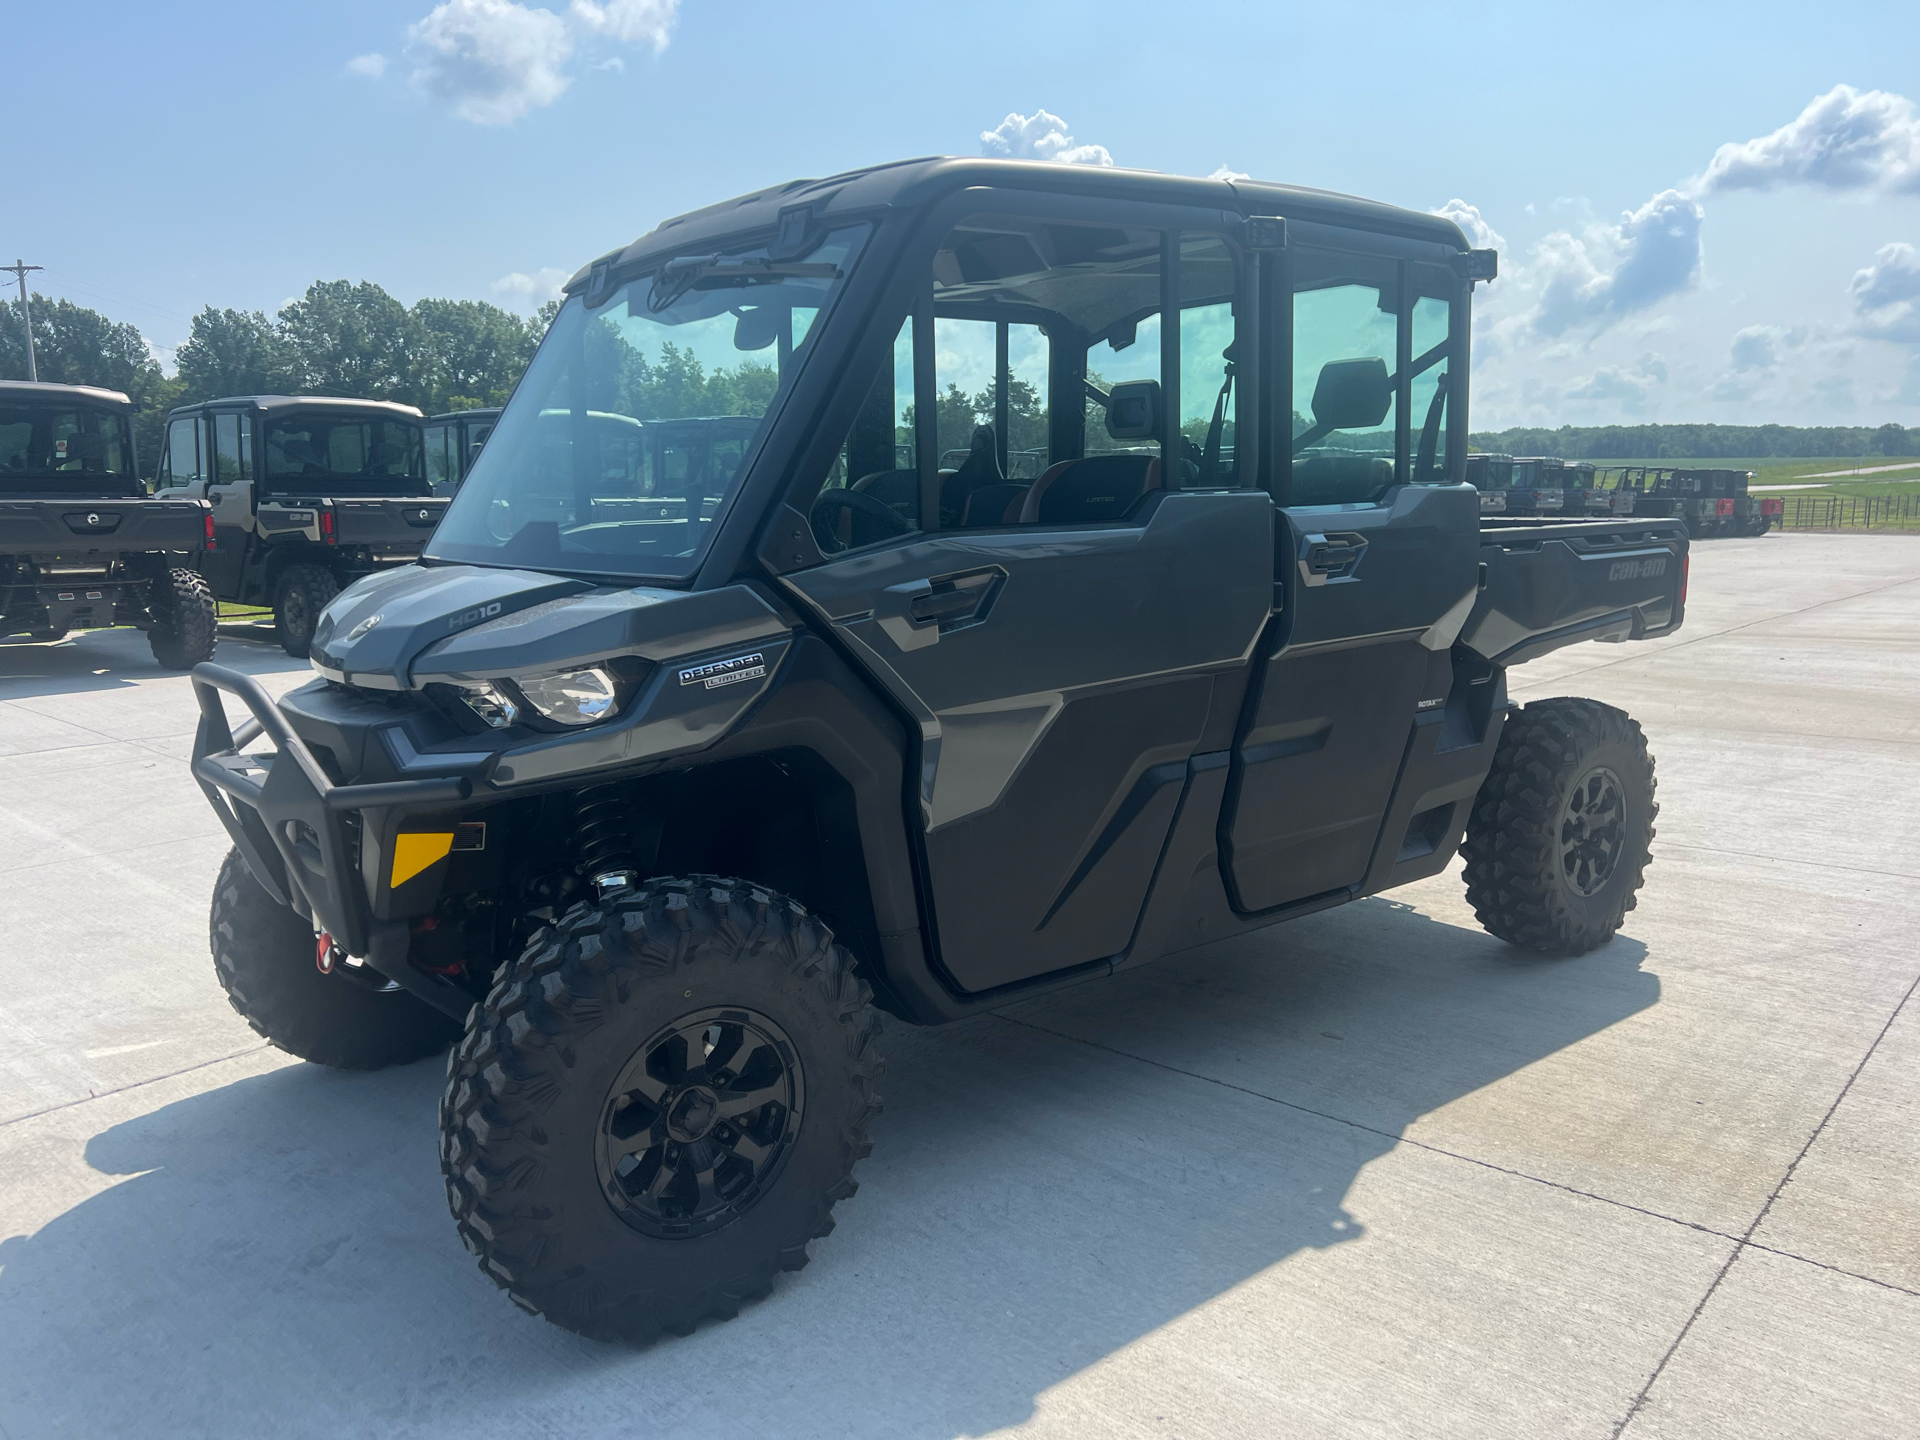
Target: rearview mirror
x: 759, y: 327
x: 1352, y: 394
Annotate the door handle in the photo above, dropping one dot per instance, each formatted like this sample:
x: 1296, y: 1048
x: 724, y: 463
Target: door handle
x: 945, y: 604
x: 1331, y: 557
x: 914, y: 614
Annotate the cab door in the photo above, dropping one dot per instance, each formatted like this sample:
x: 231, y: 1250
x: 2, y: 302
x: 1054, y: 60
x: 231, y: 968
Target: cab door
x: 182, y: 471
x: 230, y: 488
x: 1060, y: 642
x: 1379, y: 564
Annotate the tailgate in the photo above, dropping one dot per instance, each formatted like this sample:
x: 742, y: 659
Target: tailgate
x: 1549, y: 584
x: 79, y: 527
x: 390, y: 522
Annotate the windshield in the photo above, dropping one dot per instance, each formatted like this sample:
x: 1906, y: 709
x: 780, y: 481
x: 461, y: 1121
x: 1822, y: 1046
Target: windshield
x: 44, y: 441
x: 625, y: 440
x: 357, y: 452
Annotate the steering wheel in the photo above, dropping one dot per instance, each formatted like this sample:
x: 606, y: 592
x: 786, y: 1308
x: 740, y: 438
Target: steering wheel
x: 823, y: 515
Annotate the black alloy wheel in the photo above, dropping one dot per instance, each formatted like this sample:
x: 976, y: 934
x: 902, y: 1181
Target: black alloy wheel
x: 700, y: 1121
x: 1592, y: 831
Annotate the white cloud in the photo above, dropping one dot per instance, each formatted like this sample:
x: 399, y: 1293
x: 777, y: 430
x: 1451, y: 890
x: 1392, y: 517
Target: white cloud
x: 1886, y: 295
x: 492, y: 60
x: 1468, y: 217
x: 1615, y: 270
x: 1629, y: 387
x: 1846, y: 139
x: 636, y: 22
x: 1757, y: 347
x: 527, y: 293
x: 371, y: 66
x: 1223, y: 173
x: 1040, y: 137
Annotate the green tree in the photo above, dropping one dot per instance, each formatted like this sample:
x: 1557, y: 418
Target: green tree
x: 470, y: 352
x: 356, y: 340
x: 235, y: 352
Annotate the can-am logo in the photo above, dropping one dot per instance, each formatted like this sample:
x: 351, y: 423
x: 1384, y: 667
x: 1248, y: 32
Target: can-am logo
x: 474, y: 616
x: 1638, y: 569
x: 725, y: 672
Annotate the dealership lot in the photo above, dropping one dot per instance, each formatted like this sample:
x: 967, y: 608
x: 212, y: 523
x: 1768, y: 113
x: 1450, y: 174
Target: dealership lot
x: 1371, y: 1173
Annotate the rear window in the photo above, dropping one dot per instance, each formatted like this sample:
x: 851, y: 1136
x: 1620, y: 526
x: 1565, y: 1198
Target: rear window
x: 61, y: 441
x: 377, y: 453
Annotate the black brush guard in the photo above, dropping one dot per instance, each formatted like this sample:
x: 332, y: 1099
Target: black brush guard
x: 289, y: 822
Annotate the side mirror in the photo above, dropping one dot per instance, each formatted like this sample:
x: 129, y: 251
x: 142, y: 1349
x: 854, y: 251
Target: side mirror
x: 1352, y: 395
x: 1133, y: 410
x: 759, y: 327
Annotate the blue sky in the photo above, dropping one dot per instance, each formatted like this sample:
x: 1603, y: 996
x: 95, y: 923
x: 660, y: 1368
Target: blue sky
x: 169, y: 157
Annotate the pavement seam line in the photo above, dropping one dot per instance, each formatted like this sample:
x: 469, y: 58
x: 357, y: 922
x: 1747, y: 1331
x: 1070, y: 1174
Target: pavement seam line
x: 1398, y: 1139
x: 1837, y: 1270
x: 1735, y: 629
x: 1786, y: 860
x: 1745, y: 1241
x: 135, y: 1085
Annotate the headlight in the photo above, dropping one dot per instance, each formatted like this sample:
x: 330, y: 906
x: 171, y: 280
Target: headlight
x: 575, y: 697
x: 491, y: 704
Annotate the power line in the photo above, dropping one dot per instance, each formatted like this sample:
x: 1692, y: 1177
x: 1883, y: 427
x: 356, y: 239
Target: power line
x: 20, y: 269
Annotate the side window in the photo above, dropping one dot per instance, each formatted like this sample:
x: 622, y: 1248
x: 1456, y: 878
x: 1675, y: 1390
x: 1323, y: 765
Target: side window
x: 872, y: 491
x: 227, y: 469
x: 1345, y: 338
x: 1208, y: 354
x: 439, y: 471
x: 183, y: 451
x: 1430, y: 367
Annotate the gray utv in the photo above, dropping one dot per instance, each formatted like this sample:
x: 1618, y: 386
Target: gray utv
x: 1079, y: 568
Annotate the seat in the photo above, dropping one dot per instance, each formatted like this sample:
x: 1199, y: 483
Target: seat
x: 993, y: 505
x: 1100, y: 487
x: 980, y: 468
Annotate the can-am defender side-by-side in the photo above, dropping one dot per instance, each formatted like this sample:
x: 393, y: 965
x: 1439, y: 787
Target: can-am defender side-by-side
x: 309, y: 494
x: 82, y: 545
x: 453, y: 442
x: 647, y: 791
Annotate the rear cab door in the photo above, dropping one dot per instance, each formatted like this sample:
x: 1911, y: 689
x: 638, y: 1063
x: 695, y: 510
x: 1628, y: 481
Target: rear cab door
x: 1070, y: 631
x: 1379, y: 567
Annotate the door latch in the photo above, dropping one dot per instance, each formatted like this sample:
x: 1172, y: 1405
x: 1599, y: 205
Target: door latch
x: 1334, y: 556
x: 918, y: 612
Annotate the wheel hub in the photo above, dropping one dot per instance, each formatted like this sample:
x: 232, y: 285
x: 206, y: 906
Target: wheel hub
x: 1593, y: 830
x: 699, y: 1122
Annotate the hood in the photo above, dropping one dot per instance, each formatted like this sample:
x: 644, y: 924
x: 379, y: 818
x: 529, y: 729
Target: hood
x: 372, y: 631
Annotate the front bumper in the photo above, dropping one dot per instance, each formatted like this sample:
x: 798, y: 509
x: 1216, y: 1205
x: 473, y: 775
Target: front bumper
x: 298, y: 831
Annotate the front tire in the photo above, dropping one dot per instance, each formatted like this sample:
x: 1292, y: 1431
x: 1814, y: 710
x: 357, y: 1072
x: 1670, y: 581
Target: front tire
x: 658, y: 1106
x: 1558, y: 842
x: 264, y: 955
x: 303, y: 592
x: 186, y: 619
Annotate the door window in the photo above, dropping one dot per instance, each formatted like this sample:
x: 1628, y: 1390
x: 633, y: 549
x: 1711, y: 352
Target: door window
x: 183, y: 451
x: 1430, y: 377
x: 1208, y: 361
x: 442, y: 468
x: 1345, y: 342
x: 872, y: 490
x: 227, y: 469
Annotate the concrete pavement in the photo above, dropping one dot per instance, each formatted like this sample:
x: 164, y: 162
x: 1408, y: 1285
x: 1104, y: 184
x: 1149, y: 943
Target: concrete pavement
x: 1368, y: 1174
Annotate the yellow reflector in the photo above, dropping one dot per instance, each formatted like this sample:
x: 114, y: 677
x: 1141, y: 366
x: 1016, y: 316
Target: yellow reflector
x: 414, y: 853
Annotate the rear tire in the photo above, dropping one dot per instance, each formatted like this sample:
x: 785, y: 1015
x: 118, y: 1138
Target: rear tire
x: 658, y: 1107
x: 264, y: 955
x: 186, y: 619
x: 303, y: 592
x: 1557, y: 844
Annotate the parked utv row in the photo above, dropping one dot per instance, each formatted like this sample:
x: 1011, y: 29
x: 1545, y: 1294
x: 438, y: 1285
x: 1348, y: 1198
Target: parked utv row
x: 1708, y: 502
x: 692, y: 742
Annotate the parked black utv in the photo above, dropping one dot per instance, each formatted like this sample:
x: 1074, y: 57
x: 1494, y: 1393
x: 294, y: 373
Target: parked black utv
x: 647, y: 795
x: 81, y: 544
x: 309, y: 494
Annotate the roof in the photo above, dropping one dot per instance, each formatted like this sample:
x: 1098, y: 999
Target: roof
x: 912, y: 183
x: 307, y: 402
x: 47, y: 390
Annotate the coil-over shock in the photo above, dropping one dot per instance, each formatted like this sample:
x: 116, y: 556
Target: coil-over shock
x: 603, y: 837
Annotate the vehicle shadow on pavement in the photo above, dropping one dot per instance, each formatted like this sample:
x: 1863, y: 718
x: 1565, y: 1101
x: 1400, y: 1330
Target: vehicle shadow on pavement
x: 279, y: 1257
x: 117, y: 659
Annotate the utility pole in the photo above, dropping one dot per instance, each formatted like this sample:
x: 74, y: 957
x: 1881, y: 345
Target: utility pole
x: 20, y: 269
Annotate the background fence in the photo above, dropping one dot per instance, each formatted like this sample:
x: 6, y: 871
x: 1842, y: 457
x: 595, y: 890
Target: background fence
x: 1850, y: 512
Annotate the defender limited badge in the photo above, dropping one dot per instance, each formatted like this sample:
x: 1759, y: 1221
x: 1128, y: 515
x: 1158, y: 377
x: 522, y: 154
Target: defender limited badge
x: 725, y: 672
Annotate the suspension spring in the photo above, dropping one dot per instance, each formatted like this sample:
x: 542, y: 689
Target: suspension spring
x: 602, y: 836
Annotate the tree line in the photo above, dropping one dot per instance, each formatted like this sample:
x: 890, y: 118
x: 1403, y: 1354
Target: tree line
x: 1701, y: 442
x: 339, y: 338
